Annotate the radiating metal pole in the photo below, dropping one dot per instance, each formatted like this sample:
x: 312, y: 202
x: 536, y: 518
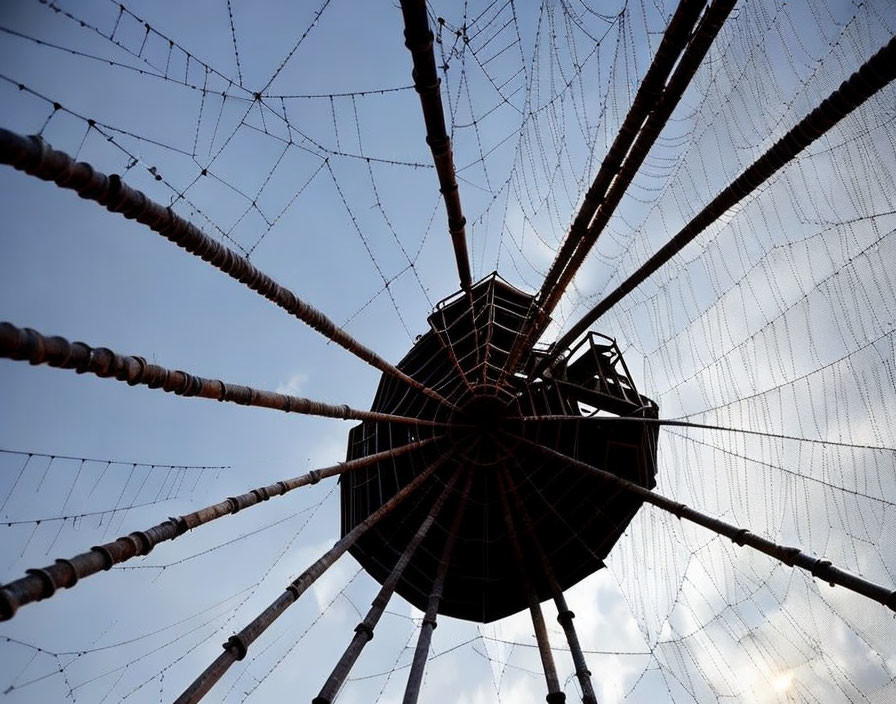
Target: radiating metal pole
x: 691, y: 59
x: 237, y: 646
x: 674, y: 41
x: 555, y: 693
x: 873, y: 75
x: 27, y: 344
x: 419, y: 41
x: 42, y: 583
x: 564, y: 613
x: 36, y: 158
x: 364, y: 630
x: 421, y: 652
x: 790, y: 556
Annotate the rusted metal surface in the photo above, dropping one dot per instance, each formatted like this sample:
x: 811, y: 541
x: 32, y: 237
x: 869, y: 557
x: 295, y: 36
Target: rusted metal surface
x: 421, y: 652
x: 674, y: 41
x: 364, y: 630
x: 564, y: 613
x: 873, y: 75
x: 419, y: 41
x: 237, y: 646
x: 690, y: 61
x: 790, y: 556
x: 37, y: 158
x: 65, y: 573
x: 555, y: 693
x: 27, y: 344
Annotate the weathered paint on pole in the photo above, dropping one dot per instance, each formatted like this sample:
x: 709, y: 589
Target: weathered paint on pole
x: 364, y: 630
x: 27, y: 344
x: 42, y: 583
x: 237, y: 646
x: 790, y: 556
x: 37, y: 158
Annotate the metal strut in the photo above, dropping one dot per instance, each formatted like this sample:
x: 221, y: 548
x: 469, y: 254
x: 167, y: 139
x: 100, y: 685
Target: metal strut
x: 364, y: 630
x: 37, y: 158
x: 790, y: 556
x: 237, y: 646
x: 418, y: 38
x: 421, y: 652
x: 674, y: 42
x: 873, y: 75
x: 27, y: 344
x: 42, y: 583
x: 555, y: 693
x: 564, y: 613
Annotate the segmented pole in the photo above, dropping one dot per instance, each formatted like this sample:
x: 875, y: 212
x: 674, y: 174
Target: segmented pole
x: 27, y: 344
x: 364, y: 630
x: 37, y: 158
x: 674, y: 41
x: 555, y: 693
x: 42, y: 583
x: 419, y: 41
x: 237, y: 646
x: 564, y: 613
x: 873, y: 75
x: 790, y: 556
x: 421, y: 652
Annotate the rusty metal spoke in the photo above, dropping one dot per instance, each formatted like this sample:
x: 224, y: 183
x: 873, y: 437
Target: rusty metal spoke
x: 27, y: 344
x: 36, y: 158
x: 237, y: 646
x: 419, y: 41
x: 42, y: 583
x: 790, y: 556
x: 873, y: 75
x: 364, y: 630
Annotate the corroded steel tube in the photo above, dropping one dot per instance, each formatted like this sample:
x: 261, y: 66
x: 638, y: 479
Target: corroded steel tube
x: 37, y: 158
x: 42, y: 583
x: 564, y: 613
x: 421, y: 653
x: 673, y: 43
x: 790, y: 556
x: 364, y: 630
x: 237, y: 646
x: 419, y: 41
x: 873, y: 75
x: 555, y: 693
x: 691, y: 60
x: 27, y: 344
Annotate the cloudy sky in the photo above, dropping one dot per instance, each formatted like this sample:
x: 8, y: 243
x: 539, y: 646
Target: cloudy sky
x: 290, y: 133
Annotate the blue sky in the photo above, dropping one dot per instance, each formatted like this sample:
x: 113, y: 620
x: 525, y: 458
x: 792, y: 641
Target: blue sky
x: 335, y: 197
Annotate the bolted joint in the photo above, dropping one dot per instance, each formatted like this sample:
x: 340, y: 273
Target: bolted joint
x: 740, y: 537
x: 106, y: 554
x: 179, y: 523
x: 8, y: 605
x: 431, y: 622
x: 47, y: 585
x: 566, y: 617
x: 314, y: 476
x: 142, y: 542
x: 236, y: 646
x: 822, y: 569
x: 234, y: 504
x: 74, y: 570
x: 555, y: 697
x: 261, y: 493
x: 366, y: 629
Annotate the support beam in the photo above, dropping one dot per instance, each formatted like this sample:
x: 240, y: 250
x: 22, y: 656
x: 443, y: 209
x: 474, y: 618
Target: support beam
x: 421, y: 652
x: 419, y: 41
x: 564, y: 613
x: 873, y: 75
x: 27, y: 344
x: 37, y: 158
x: 555, y: 693
x: 674, y: 41
x: 364, y: 630
x: 238, y: 645
x: 691, y: 59
x: 42, y: 583
x: 790, y: 556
